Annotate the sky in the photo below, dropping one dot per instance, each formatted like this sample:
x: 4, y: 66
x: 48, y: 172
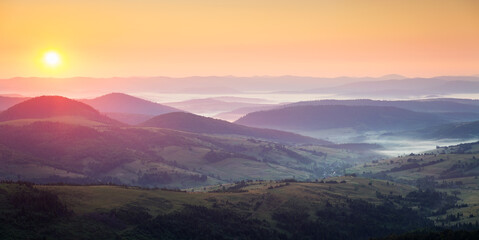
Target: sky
x: 321, y: 38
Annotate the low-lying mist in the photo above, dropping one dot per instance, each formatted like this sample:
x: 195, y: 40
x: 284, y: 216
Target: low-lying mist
x: 391, y: 146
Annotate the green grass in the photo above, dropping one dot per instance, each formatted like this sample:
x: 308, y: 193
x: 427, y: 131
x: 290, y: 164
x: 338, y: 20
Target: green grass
x: 258, y: 201
x: 457, y: 170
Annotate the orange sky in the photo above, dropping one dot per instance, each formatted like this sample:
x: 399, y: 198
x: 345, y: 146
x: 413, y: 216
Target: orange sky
x: 240, y: 37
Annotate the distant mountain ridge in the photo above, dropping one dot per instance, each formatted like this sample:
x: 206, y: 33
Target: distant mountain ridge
x: 189, y: 122
x: 425, y: 105
x: 392, y: 85
x: 405, y: 87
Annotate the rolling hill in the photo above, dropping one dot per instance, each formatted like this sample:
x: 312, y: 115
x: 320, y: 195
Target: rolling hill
x: 53, y: 144
x: 46, y: 152
x: 47, y: 107
x: 367, y: 118
x: 189, y: 122
x: 128, y: 109
x: 450, y: 109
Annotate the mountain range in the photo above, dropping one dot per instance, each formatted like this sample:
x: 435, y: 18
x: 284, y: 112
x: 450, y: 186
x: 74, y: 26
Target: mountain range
x: 387, y: 86
x: 407, y: 87
x: 51, y: 138
x: 189, y: 122
x: 319, y: 117
x: 211, y: 106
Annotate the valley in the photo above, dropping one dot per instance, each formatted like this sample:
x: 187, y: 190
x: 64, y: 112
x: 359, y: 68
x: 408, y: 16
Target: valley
x: 345, y: 164
x: 239, y: 120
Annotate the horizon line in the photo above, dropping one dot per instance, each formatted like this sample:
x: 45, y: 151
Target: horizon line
x: 249, y: 76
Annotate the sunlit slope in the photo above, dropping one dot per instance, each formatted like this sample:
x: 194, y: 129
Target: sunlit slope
x: 452, y: 169
x: 51, y: 107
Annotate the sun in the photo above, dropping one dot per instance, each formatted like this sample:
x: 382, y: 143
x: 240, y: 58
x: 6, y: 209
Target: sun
x: 52, y: 59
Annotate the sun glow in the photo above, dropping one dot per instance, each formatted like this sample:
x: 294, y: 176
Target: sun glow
x: 51, y: 59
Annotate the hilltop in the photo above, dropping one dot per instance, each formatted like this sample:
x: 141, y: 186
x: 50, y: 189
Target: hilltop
x: 46, y: 107
x: 128, y: 109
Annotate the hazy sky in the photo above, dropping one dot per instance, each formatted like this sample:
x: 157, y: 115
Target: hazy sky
x: 240, y: 37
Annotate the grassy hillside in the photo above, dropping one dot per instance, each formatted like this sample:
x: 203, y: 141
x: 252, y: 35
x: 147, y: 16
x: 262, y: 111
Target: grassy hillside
x: 453, y: 170
x: 45, y: 152
x: 337, y: 209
